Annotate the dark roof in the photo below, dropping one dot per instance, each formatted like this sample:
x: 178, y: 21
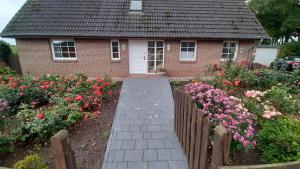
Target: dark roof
x: 229, y: 19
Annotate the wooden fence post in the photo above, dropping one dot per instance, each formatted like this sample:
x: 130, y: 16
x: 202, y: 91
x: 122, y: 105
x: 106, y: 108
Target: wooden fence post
x: 62, y: 151
x: 220, y: 147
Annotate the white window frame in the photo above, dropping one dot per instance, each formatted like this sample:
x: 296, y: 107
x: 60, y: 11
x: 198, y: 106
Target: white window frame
x: 111, y: 50
x: 236, y: 50
x: 195, y: 52
x: 155, y: 50
x: 64, y: 40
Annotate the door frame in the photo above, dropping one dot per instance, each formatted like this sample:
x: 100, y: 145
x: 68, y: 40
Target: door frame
x: 130, y: 56
x: 163, y: 61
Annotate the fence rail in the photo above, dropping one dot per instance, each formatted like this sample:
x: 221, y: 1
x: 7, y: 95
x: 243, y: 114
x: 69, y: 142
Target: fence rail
x: 14, y: 63
x: 193, y: 129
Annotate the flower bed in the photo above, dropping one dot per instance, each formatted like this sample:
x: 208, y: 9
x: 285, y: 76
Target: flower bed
x: 260, y: 108
x: 34, y: 108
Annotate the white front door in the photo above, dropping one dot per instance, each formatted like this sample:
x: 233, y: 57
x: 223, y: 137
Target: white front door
x: 137, y: 56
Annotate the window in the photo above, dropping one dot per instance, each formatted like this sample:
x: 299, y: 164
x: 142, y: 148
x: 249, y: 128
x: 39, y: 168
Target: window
x: 63, y: 50
x: 187, y: 51
x: 136, y: 5
x: 229, y: 50
x: 115, y: 50
x: 155, y: 56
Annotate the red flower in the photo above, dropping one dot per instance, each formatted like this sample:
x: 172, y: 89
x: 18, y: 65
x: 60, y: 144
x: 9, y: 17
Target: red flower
x: 226, y: 82
x: 110, y: 92
x: 40, y: 116
x: 79, y: 98
x: 230, y: 91
x: 80, y: 109
x: 21, y: 94
x: 216, y: 65
x: 98, y: 93
x: 44, y: 87
x: 237, y: 82
x: 107, y: 83
x: 68, y: 99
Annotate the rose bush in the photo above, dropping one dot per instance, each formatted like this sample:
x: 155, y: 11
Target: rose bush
x: 224, y: 110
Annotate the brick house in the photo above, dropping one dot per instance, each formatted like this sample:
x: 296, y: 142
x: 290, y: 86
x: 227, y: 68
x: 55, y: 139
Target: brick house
x: 123, y: 37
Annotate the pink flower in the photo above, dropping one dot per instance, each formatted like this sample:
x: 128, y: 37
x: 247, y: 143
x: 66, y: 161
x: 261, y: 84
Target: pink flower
x: 98, y: 93
x: 79, y: 98
x: 237, y: 82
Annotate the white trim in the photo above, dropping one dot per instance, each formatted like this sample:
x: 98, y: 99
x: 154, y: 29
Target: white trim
x: 195, y: 51
x: 111, y: 49
x: 155, y: 60
x: 63, y: 40
x: 236, y: 50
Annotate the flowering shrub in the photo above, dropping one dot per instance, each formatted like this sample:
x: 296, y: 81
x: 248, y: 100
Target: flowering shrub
x: 224, y: 110
x: 31, y: 162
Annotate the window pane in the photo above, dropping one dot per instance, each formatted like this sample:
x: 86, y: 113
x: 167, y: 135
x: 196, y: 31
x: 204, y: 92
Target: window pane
x: 115, y: 49
x: 58, y: 55
x: 64, y: 49
x: 65, y: 55
x: 72, y: 55
x: 225, y: 44
x: 160, y: 44
x: 232, y: 50
x: 150, y: 57
x: 115, y: 44
x: 64, y: 44
x: 232, y: 45
x: 57, y: 49
x: 56, y: 44
x: 192, y: 44
x: 151, y: 51
x: 191, y: 49
x: 159, y: 51
x: 184, y: 49
x: 151, y: 44
x: 159, y: 57
x: 159, y: 64
x: 115, y: 55
x: 71, y: 49
x: 71, y: 44
x: 225, y: 50
x: 184, y: 44
x: 230, y: 56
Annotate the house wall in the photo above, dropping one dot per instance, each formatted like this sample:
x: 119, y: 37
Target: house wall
x: 208, y: 53
x: 94, y: 57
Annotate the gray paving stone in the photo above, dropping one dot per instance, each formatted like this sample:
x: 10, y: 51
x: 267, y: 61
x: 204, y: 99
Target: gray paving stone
x: 133, y: 155
x: 137, y: 165
x: 122, y: 165
x: 147, y: 135
x: 158, y: 135
x: 137, y: 135
x: 111, y: 155
x: 119, y: 156
x: 154, y: 127
x: 158, y: 165
x: 173, y: 165
x: 135, y: 127
x: 115, y: 144
x: 150, y: 155
x: 111, y: 165
x: 164, y: 154
x: 141, y: 144
x: 128, y: 144
x: 156, y: 144
x: 183, y: 165
x: 124, y: 135
x: 177, y: 154
x: 168, y: 143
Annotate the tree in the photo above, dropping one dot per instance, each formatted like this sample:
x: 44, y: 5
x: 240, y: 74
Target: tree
x: 5, y: 51
x: 281, y: 18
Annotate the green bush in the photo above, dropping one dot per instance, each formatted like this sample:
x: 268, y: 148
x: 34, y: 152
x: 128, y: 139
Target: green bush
x: 31, y: 162
x: 290, y: 49
x: 5, y: 144
x: 283, y: 101
x: 41, y: 124
x: 12, y: 97
x: 5, y: 50
x: 6, y: 72
x: 279, y: 140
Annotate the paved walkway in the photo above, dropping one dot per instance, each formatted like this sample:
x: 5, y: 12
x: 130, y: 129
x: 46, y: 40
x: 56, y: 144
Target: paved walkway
x: 143, y: 135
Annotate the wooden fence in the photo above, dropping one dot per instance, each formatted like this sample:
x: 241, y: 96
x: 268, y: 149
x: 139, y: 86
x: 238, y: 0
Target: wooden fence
x: 193, y: 131
x: 14, y: 63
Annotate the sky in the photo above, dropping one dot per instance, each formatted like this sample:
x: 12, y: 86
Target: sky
x: 8, y: 8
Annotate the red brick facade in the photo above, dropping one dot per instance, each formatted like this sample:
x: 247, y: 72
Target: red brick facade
x: 94, y: 57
